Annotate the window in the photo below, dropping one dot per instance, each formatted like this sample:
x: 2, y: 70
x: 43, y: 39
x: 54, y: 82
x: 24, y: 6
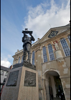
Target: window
x: 19, y: 60
x: 1, y: 72
x: 44, y: 54
x: 69, y: 37
x: 6, y: 73
x: 65, y: 47
x: 33, y: 57
x: 51, y: 54
x: 22, y: 59
x: 4, y: 80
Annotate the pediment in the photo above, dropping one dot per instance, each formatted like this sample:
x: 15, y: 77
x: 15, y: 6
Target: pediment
x: 53, y: 32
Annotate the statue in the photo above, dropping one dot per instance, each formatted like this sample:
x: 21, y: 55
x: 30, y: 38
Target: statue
x: 27, y: 44
x: 55, y: 44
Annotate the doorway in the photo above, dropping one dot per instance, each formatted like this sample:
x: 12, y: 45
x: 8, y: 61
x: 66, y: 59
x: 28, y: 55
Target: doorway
x: 55, y: 86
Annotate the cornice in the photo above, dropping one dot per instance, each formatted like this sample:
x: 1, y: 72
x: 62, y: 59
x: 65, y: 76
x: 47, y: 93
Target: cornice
x: 17, y: 53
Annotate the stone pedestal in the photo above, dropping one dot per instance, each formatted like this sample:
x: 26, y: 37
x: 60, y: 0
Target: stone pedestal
x: 21, y: 84
x: 58, y: 54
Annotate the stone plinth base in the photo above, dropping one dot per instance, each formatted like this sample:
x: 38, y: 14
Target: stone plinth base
x: 21, y: 84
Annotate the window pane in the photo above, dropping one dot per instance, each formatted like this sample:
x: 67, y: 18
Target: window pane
x: 33, y: 57
x: 69, y: 37
x: 19, y: 60
x: 1, y: 72
x: 65, y: 47
x: 51, y: 54
x: 6, y: 73
x: 22, y: 59
x: 44, y: 50
x: 44, y: 54
x: 4, y: 80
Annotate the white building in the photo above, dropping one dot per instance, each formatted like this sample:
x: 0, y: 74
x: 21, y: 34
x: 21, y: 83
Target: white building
x: 3, y: 72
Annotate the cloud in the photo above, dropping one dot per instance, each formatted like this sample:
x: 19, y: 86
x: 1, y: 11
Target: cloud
x: 6, y: 57
x: 43, y: 17
x: 5, y: 60
x: 5, y: 63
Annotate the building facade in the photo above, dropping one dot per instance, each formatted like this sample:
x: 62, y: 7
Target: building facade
x: 51, y: 55
x: 3, y: 72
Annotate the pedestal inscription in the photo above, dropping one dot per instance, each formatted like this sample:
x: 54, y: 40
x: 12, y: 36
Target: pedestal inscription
x: 12, y: 80
x: 30, y: 79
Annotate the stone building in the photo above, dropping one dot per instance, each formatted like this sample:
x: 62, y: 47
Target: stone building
x: 51, y: 55
x: 3, y: 72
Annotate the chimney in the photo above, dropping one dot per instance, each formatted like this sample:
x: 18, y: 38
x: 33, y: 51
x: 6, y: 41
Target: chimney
x: 11, y: 67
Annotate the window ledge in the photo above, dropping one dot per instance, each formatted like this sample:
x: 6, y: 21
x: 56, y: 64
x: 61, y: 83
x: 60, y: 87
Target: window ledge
x: 55, y: 60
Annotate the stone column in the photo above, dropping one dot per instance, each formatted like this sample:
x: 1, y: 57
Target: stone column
x: 31, y: 57
x: 44, y: 88
x: 47, y: 89
x: 53, y: 86
x: 66, y: 87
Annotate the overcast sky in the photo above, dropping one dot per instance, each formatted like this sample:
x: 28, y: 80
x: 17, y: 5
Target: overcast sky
x: 36, y: 15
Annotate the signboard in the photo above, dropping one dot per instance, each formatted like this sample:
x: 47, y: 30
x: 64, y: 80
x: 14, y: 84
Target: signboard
x: 30, y: 79
x: 12, y: 80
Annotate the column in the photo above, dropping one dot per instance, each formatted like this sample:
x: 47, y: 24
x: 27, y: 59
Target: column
x: 47, y: 89
x: 53, y: 86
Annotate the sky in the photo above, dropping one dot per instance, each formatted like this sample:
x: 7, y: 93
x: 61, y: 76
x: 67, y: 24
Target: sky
x: 36, y: 15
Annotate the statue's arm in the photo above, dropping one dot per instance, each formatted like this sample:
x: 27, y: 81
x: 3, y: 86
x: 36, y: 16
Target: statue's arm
x: 32, y: 38
x: 22, y: 39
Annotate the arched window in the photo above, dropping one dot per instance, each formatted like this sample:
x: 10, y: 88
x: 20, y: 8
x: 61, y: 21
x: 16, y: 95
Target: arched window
x: 33, y: 57
x: 19, y: 60
x: 44, y: 54
x: 69, y: 37
x: 65, y: 47
x: 22, y: 59
x: 51, y: 54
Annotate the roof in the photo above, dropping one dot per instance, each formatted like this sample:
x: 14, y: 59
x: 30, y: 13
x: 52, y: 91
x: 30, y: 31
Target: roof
x: 60, y: 30
x: 4, y: 68
x: 67, y: 25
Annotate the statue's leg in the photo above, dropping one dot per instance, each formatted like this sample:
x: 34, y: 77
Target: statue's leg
x: 28, y: 50
x: 24, y: 53
x: 29, y: 56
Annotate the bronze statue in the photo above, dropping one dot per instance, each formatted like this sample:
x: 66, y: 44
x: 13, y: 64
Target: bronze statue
x: 27, y: 44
